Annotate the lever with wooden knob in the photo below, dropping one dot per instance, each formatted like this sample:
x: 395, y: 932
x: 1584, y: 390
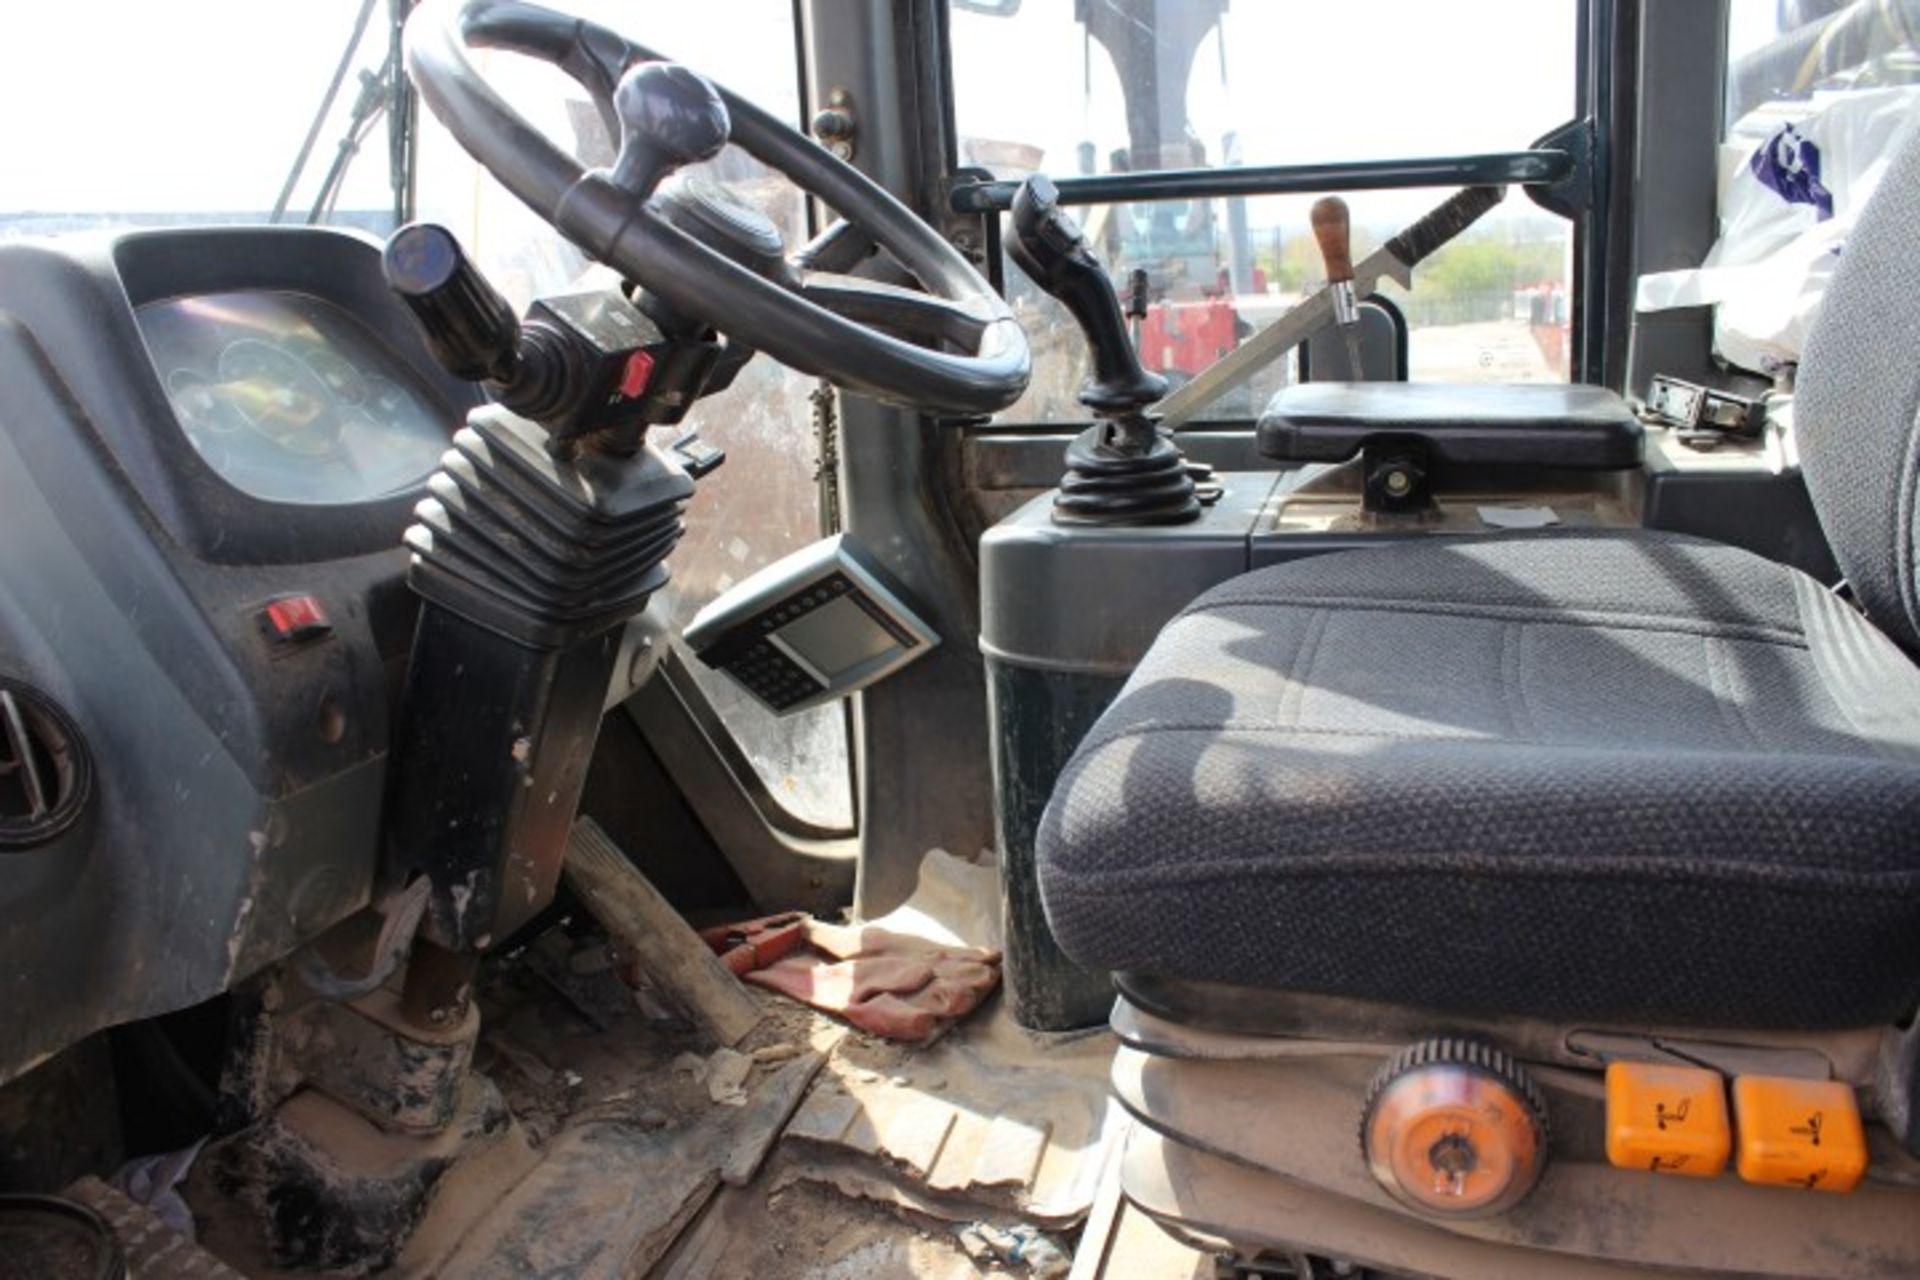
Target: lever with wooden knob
x: 1333, y: 228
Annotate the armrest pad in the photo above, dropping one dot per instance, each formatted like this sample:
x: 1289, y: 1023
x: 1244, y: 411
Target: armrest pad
x: 1521, y: 424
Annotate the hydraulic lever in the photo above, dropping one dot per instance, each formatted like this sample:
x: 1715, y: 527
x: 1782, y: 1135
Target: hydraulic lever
x: 1049, y: 247
x: 1395, y: 260
x: 585, y: 364
x: 1123, y: 470
x: 1138, y: 303
x: 1332, y: 227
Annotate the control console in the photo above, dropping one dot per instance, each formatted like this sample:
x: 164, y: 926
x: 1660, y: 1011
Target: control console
x: 811, y: 628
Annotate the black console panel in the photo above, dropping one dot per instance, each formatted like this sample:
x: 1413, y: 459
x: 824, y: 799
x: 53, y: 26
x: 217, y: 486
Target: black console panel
x: 226, y: 657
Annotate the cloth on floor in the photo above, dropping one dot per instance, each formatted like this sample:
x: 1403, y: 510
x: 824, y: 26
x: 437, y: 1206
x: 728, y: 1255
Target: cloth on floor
x: 890, y: 984
x: 907, y: 976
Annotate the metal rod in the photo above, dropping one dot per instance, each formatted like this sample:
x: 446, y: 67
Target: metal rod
x: 320, y: 116
x: 1526, y: 168
x: 438, y: 985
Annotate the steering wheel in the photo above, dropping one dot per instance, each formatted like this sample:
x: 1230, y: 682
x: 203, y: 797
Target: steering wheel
x: 952, y: 349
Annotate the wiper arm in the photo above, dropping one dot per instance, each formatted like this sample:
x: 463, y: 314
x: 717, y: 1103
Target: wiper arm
x: 400, y: 115
x: 367, y: 110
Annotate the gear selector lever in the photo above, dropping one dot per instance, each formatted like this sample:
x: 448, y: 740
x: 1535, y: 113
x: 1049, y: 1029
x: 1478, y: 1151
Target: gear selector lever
x: 1123, y: 470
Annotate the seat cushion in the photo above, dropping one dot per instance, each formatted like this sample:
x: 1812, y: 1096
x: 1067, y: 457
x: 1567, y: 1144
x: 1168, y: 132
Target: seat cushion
x: 1612, y: 776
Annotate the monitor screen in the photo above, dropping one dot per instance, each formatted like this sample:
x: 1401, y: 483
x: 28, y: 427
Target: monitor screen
x: 837, y: 637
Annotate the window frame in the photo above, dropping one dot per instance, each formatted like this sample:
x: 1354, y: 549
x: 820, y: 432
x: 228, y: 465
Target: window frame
x: 1606, y: 53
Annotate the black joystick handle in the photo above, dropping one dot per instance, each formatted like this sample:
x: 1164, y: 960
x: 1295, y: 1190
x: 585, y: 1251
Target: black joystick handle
x: 669, y: 116
x: 470, y: 328
x: 1049, y: 247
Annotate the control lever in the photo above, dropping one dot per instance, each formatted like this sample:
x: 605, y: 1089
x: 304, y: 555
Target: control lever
x: 1394, y: 260
x: 1123, y: 470
x: 585, y: 364
x: 1332, y: 227
x: 1049, y: 247
x: 469, y: 327
x: 1138, y: 301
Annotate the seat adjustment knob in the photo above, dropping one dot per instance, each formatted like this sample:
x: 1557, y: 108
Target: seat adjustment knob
x: 1454, y: 1128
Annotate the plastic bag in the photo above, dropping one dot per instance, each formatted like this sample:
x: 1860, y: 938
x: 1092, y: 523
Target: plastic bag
x: 1793, y: 177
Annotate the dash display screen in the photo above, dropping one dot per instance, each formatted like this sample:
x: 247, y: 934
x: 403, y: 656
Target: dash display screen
x: 836, y: 638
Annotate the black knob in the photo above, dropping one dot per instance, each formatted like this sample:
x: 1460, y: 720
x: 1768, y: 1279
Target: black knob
x: 1049, y: 247
x: 669, y: 116
x: 470, y: 328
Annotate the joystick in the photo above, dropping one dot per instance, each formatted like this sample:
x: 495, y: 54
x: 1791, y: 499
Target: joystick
x: 1123, y: 470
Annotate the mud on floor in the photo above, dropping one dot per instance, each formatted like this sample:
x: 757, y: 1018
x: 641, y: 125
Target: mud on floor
x: 573, y: 1052
x: 809, y: 1232
x: 574, y: 1055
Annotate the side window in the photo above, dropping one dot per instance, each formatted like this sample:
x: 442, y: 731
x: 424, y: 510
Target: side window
x: 1792, y: 54
x: 764, y: 502
x: 1819, y: 94
x: 1204, y: 84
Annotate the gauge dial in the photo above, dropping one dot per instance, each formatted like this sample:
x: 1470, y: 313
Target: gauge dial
x: 291, y: 399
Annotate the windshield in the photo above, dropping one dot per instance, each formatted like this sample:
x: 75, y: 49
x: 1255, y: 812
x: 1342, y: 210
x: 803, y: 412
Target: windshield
x: 238, y: 111
x: 1110, y: 86
x: 154, y: 114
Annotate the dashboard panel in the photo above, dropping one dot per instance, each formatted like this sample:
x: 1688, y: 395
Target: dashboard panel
x: 198, y: 424
x: 290, y: 399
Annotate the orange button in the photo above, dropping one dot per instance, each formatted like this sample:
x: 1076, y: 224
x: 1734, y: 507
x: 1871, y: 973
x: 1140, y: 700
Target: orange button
x: 1799, y: 1133
x: 1667, y: 1119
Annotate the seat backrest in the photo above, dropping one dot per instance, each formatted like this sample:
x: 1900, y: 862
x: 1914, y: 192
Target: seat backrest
x: 1857, y: 404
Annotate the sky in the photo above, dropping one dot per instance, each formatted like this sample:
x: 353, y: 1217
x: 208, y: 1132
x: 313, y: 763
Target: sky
x: 202, y: 104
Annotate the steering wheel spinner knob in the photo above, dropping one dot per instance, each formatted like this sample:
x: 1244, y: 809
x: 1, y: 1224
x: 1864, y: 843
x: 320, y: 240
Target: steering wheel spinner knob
x: 670, y: 116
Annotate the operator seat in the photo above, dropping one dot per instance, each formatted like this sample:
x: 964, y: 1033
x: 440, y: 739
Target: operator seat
x: 1620, y: 776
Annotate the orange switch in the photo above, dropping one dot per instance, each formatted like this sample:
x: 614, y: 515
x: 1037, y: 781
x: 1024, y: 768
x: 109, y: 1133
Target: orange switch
x: 1799, y: 1133
x: 1667, y: 1119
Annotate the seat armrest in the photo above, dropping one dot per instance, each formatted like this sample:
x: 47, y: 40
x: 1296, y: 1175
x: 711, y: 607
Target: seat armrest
x: 1523, y: 424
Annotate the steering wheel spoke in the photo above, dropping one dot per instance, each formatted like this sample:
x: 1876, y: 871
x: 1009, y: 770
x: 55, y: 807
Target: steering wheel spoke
x: 906, y: 313
x: 840, y: 248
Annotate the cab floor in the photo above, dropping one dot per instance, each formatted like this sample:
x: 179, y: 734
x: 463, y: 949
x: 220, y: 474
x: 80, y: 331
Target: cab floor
x: 610, y: 1166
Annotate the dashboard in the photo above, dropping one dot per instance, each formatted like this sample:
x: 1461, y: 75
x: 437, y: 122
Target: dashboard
x: 204, y: 433
x: 290, y: 399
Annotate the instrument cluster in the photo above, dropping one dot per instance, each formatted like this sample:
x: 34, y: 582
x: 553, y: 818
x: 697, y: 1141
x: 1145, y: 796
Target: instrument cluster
x: 290, y: 399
